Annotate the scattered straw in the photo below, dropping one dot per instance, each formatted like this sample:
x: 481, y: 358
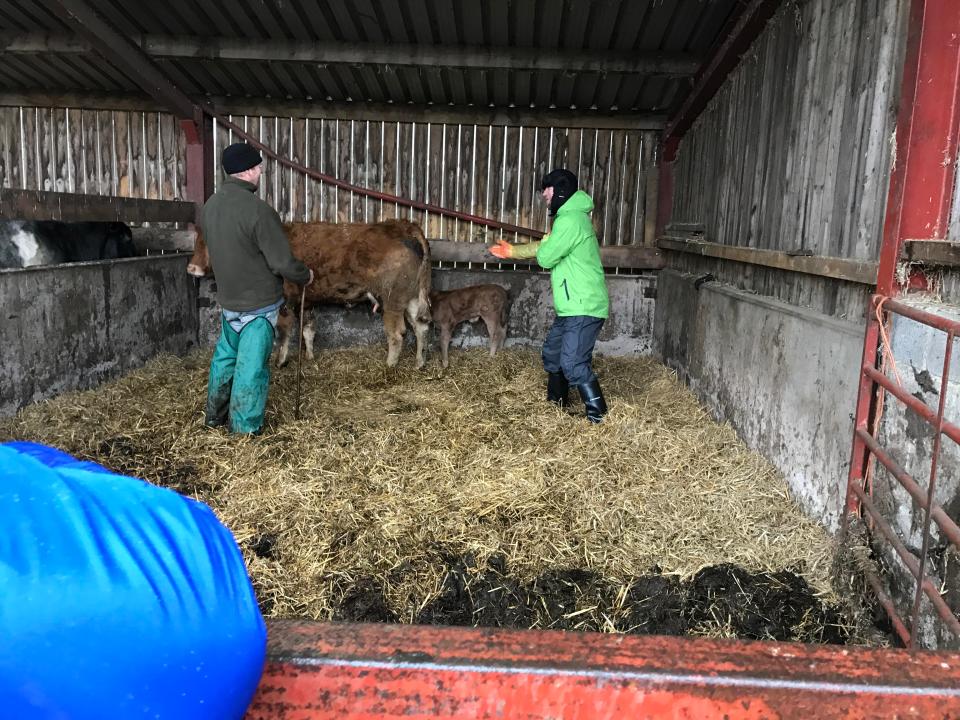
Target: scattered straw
x: 388, y: 468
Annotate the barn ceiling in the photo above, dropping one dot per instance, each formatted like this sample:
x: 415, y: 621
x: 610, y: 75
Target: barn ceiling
x: 589, y: 55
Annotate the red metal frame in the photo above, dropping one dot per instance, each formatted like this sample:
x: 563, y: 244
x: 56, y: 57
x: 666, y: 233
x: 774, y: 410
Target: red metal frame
x: 323, y: 670
x: 918, y: 208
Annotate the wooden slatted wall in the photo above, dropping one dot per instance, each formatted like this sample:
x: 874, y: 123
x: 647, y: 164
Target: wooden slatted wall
x: 794, y: 152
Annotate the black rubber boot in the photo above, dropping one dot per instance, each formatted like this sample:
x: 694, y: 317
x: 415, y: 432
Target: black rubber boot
x: 593, y: 401
x: 557, y: 389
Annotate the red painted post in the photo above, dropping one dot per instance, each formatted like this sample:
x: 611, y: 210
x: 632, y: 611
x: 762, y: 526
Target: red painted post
x: 334, y: 670
x: 665, y: 192
x: 928, y: 127
x: 199, y: 160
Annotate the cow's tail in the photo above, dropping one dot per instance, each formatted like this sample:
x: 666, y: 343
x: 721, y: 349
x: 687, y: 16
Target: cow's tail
x: 423, y: 278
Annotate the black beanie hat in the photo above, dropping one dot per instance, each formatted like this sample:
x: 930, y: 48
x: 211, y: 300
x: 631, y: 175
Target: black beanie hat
x: 239, y: 157
x: 564, y: 184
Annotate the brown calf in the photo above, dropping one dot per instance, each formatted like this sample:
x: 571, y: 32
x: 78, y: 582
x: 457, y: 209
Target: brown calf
x: 452, y: 307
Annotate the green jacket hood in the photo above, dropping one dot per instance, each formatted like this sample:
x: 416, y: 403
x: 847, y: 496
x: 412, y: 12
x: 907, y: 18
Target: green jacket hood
x: 578, y: 202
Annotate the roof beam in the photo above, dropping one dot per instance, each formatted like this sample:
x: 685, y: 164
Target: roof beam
x: 389, y: 112
x: 726, y: 58
x: 125, y: 55
x: 469, y: 56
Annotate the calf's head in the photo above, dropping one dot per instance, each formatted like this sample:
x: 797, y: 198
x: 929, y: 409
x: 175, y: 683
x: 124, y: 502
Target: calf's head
x: 199, y: 265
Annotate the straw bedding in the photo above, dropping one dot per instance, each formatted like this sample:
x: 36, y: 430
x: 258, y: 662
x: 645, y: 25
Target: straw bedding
x: 462, y: 497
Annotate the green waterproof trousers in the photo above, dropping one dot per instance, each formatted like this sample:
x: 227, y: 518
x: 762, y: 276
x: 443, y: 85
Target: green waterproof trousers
x: 240, y: 376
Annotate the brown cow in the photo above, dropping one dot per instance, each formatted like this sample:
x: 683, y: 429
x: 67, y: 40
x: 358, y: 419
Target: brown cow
x: 352, y: 262
x: 452, y: 307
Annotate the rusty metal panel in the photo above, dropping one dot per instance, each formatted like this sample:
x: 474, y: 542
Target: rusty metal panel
x: 317, y: 670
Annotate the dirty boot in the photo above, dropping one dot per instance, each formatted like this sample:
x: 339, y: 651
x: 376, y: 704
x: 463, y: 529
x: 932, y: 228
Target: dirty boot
x: 557, y: 389
x: 593, y: 401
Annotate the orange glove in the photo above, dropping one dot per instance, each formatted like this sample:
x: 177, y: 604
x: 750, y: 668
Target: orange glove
x: 502, y: 249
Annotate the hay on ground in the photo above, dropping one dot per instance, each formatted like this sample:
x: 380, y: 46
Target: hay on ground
x: 394, y: 479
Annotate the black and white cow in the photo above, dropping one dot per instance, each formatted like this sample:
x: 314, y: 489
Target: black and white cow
x: 27, y: 243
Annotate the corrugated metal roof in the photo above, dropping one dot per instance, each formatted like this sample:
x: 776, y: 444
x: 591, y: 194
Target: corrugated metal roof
x: 689, y: 27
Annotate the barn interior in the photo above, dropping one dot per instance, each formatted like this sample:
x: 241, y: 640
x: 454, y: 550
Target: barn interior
x: 780, y: 246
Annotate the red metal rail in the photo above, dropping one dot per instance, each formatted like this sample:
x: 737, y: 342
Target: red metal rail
x: 319, y: 670
x: 377, y: 195
x: 918, y: 207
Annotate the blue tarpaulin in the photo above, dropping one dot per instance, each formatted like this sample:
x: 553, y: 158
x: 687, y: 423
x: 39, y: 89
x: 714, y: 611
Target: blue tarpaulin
x: 118, y: 599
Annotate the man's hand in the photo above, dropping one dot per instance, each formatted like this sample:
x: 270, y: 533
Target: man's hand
x: 502, y: 249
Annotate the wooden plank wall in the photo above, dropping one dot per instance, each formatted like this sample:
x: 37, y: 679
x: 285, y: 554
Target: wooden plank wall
x: 97, y: 152
x: 794, y: 151
x: 490, y: 171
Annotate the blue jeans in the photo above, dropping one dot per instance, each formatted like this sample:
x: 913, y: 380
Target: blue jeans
x: 569, y: 347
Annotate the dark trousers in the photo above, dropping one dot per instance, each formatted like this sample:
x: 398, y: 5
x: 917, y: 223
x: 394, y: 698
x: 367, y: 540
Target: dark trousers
x: 569, y: 347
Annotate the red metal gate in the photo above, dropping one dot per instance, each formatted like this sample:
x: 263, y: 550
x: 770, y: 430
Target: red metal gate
x: 918, y: 208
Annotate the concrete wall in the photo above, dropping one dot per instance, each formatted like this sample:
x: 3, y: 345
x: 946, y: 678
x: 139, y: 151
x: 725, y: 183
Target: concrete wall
x: 918, y: 351
x: 784, y: 377
x: 71, y: 327
x: 629, y: 331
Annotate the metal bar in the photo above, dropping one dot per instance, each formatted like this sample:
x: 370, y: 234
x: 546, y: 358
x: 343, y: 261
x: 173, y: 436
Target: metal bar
x: 413, y: 155
x: 83, y: 152
x: 23, y: 151
x: 712, y: 76
x: 516, y: 215
x: 383, y: 143
x: 426, y: 182
x: 69, y: 138
x: 99, y: 156
x: 946, y: 524
x: 327, y: 670
x: 306, y: 161
x: 353, y: 163
x: 397, y: 171
x: 159, y: 164
x: 114, y: 181
x: 337, y: 169
x: 443, y: 171
x: 38, y: 158
x: 920, y: 316
x: 887, y: 603
x: 918, y: 406
x: 910, y: 560
x: 366, y: 169
x: 931, y: 487
x: 322, y: 189
x: 143, y: 156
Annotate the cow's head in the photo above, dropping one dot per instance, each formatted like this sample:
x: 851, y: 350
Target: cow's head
x: 199, y: 265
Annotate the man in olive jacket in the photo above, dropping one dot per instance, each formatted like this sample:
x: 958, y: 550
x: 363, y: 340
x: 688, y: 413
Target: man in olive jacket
x: 571, y: 252
x: 250, y: 256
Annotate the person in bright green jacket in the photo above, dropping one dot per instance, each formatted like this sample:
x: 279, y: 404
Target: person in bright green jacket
x: 572, y: 255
